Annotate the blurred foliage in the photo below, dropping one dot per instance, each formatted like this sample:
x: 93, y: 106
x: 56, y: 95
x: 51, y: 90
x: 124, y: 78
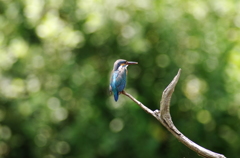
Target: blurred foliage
x: 56, y: 57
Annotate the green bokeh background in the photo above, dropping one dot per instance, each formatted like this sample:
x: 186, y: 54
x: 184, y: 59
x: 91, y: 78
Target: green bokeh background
x: 55, y: 61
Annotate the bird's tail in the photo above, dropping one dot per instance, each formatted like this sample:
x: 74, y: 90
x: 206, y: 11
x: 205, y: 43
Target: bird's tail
x: 115, y: 96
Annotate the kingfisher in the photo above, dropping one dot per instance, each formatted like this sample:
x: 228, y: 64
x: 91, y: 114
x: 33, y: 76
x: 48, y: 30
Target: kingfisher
x: 118, y: 77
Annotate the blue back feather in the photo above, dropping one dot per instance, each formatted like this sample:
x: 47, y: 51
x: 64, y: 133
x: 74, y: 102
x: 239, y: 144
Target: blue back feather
x: 118, y: 82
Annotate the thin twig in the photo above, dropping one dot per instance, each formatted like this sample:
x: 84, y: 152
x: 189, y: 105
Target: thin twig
x: 164, y: 117
x: 139, y: 103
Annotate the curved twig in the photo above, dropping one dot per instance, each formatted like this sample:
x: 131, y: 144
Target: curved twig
x: 164, y: 117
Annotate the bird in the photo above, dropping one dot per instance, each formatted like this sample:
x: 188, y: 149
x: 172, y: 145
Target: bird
x: 119, y: 77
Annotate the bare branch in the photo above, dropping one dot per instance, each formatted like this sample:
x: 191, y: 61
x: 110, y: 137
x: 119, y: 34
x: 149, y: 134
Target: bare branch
x: 164, y: 117
x: 139, y: 103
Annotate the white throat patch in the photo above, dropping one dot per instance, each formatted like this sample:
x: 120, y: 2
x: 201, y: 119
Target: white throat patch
x: 122, y: 66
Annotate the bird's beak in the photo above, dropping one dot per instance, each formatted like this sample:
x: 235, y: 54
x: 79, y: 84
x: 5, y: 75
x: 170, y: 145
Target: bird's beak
x: 131, y: 62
